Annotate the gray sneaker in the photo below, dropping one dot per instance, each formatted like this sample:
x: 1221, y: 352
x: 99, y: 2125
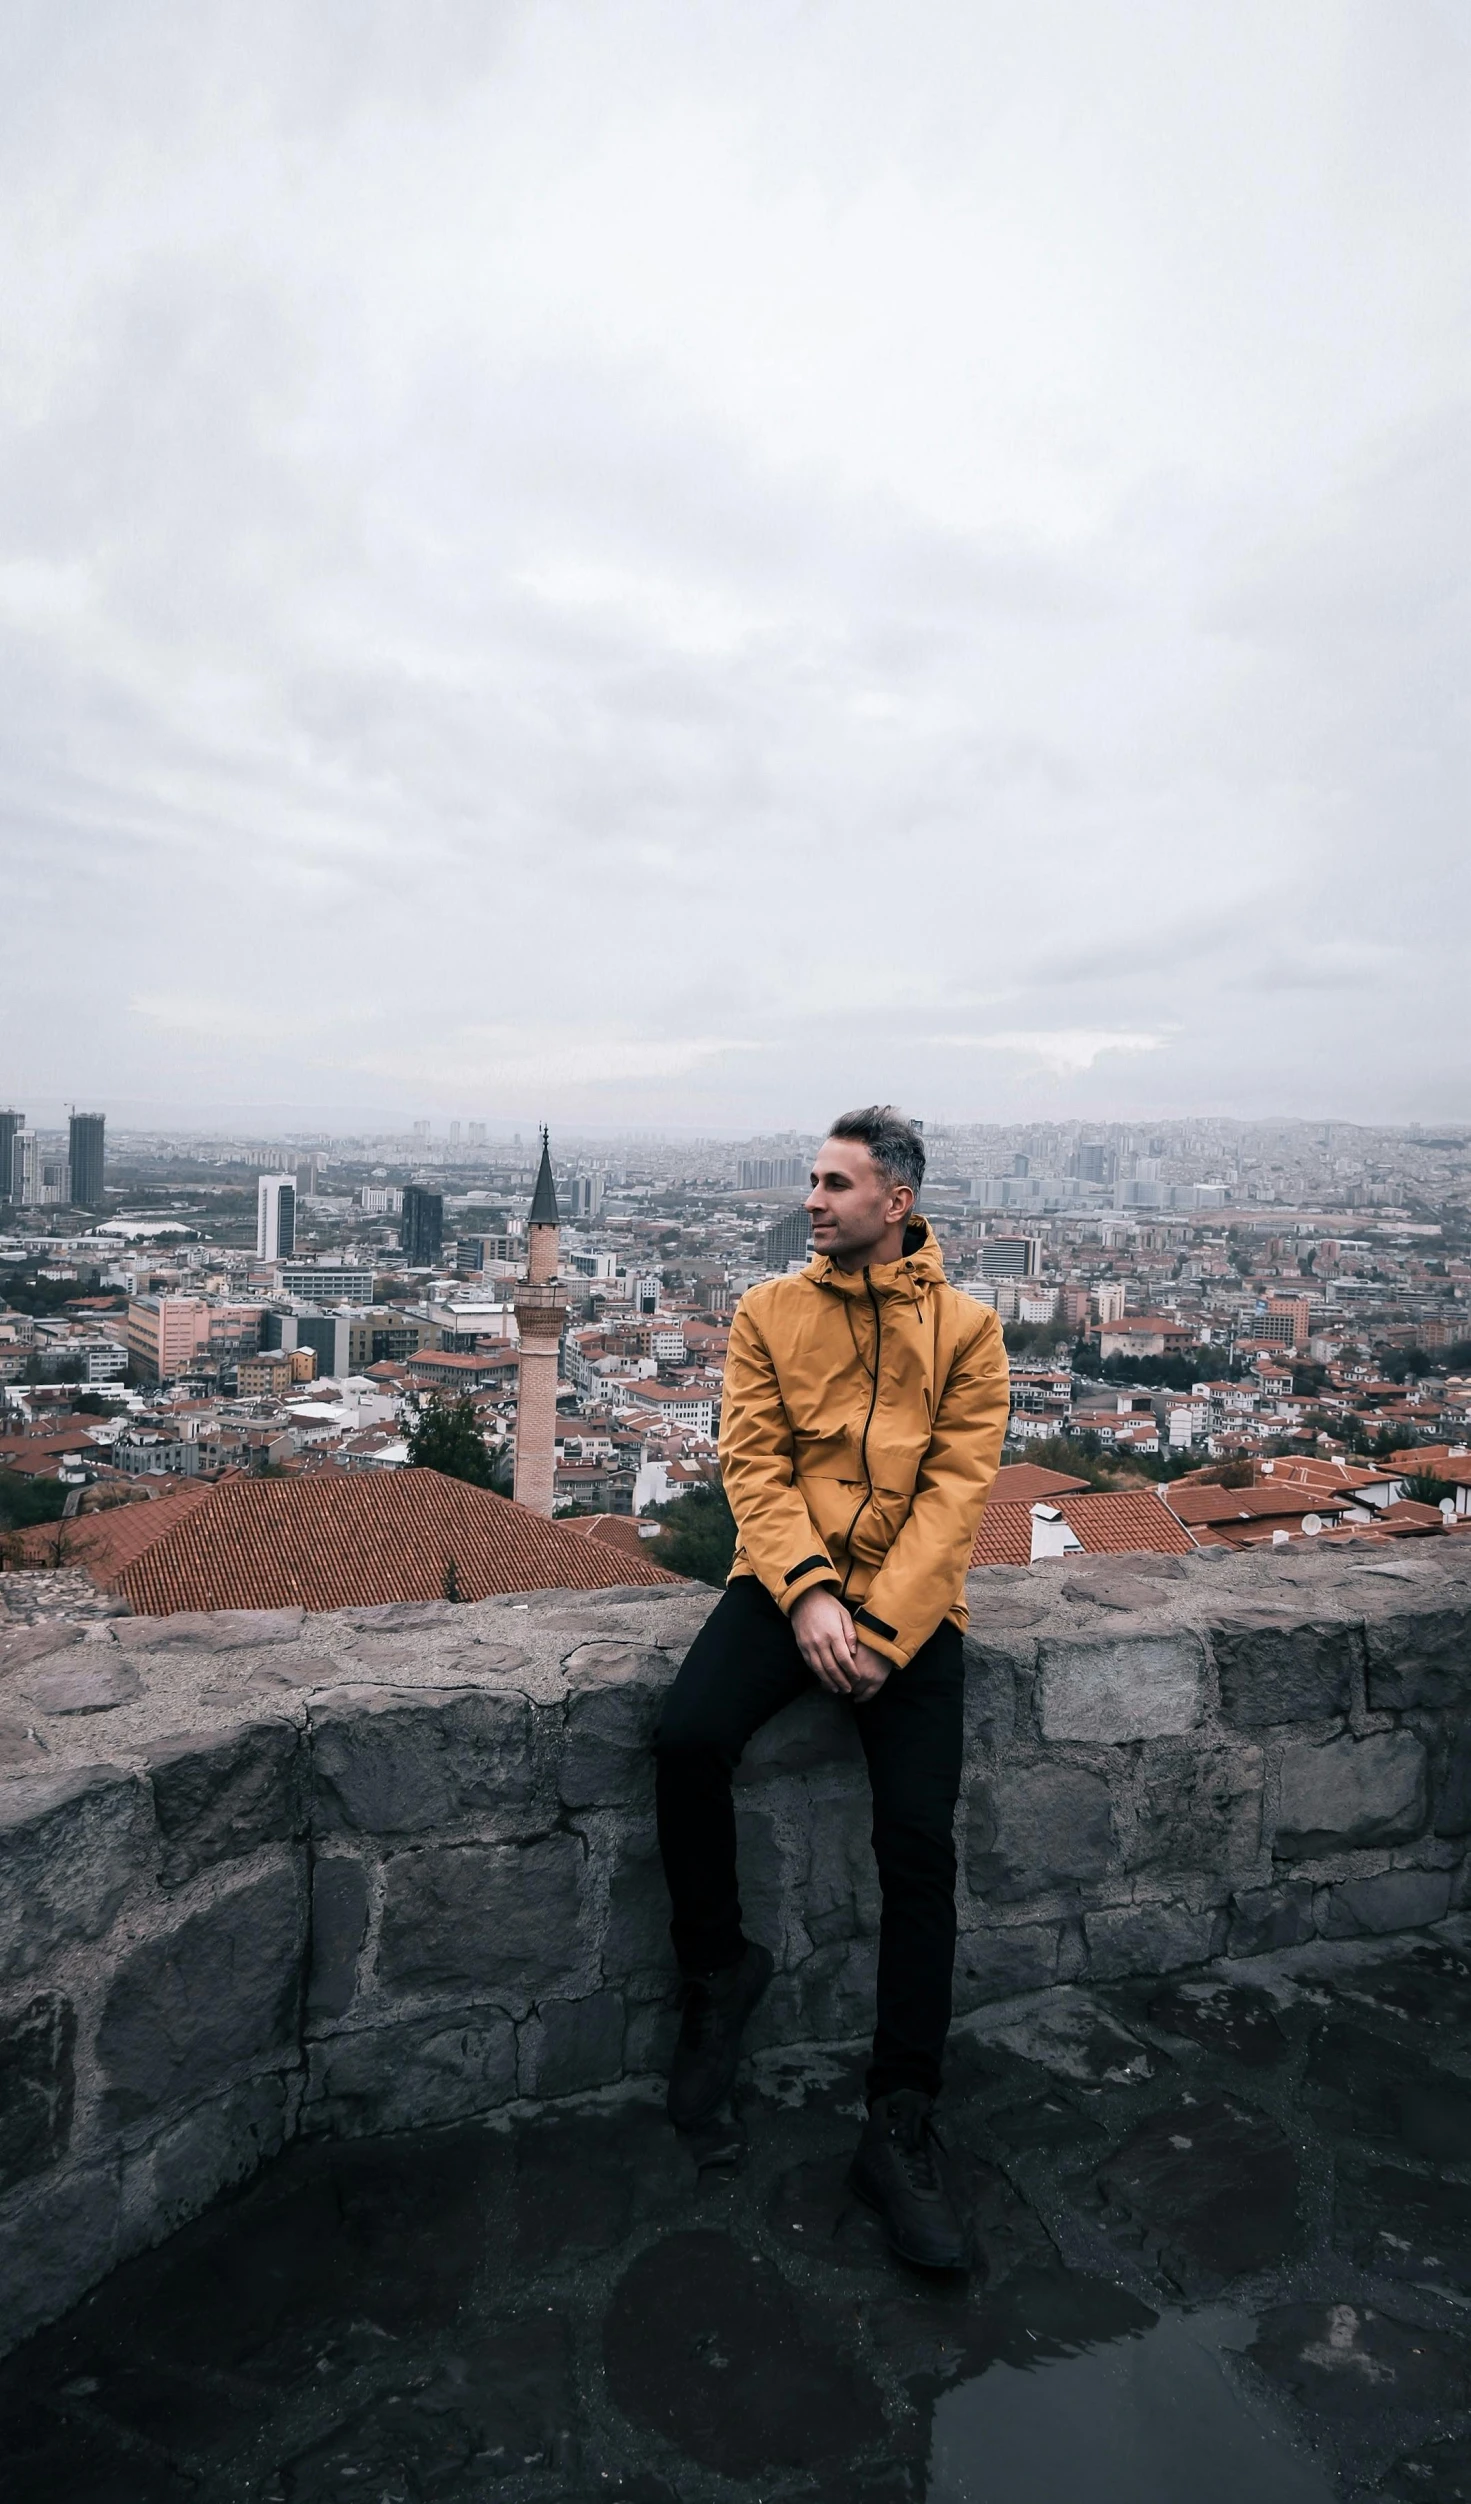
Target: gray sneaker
x: 896, y: 2170
x: 708, y: 2052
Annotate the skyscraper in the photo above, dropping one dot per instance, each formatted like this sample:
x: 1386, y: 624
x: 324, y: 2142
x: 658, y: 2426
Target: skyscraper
x: 275, y: 1222
x: 790, y: 1239
x: 421, y: 1235
x: 541, y: 1310
x: 86, y: 1159
x: 11, y: 1125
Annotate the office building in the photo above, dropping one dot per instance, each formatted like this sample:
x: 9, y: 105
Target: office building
x: 275, y: 1223
x: 1011, y: 1256
x: 11, y: 1126
x: 421, y: 1235
x: 308, y: 1176
x: 790, y: 1239
x: 86, y: 1159
x: 40, y: 1178
x: 765, y: 1173
x: 584, y: 1195
x: 318, y: 1282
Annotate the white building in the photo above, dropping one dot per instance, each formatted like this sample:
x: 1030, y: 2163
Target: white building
x: 275, y: 1217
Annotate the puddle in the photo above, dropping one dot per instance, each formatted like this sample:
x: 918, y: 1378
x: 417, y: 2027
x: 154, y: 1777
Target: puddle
x: 1145, y: 2419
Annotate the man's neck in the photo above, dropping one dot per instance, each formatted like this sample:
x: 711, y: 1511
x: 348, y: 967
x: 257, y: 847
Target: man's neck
x: 889, y: 1247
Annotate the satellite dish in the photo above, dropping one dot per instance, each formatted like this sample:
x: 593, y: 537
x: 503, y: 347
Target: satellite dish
x: 1312, y: 1523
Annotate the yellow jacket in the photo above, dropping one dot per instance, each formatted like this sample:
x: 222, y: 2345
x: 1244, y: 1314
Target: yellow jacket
x: 862, y: 1425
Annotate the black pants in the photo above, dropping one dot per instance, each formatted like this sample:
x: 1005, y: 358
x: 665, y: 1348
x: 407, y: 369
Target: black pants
x: 743, y: 1666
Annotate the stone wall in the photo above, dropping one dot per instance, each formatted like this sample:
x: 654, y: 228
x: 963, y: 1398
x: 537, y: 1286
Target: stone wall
x: 268, y: 1875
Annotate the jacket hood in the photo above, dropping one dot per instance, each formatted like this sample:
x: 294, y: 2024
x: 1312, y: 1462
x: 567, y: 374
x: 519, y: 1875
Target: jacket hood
x: 919, y: 1265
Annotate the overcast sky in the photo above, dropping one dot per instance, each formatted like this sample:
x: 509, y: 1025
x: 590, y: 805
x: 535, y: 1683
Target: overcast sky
x: 688, y: 563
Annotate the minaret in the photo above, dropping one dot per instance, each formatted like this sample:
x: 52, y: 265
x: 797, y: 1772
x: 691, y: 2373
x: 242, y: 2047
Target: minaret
x: 541, y: 1309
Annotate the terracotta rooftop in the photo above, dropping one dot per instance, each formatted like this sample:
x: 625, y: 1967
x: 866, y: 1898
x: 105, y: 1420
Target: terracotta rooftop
x: 1106, y: 1522
x: 358, y: 1540
x: 1199, y: 1505
x: 1022, y: 1482
x: 611, y: 1530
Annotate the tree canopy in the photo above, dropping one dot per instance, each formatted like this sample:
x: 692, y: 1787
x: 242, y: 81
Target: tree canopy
x: 446, y: 1436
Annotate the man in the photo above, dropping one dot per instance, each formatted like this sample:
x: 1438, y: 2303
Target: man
x: 865, y: 1407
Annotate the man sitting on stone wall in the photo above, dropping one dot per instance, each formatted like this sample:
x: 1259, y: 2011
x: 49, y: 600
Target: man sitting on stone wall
x: 865, y: 1407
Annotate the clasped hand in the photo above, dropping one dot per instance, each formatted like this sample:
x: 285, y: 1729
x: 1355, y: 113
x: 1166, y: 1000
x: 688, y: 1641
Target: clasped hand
x: 828, y: 1642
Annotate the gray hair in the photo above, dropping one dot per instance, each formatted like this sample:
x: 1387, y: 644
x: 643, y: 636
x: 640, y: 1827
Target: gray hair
x: 894, y: 1144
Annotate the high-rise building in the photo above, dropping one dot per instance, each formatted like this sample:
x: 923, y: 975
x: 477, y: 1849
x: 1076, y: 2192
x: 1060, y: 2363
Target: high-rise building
x: 454, y: 1134
x: 38, y: 1179
x: 11, y: 1125
x: 86, y: 1159
x: 1011, y: 1256
x: 421, y: 1130
x: 1095, y: 1162
x: 584, y: 1195
x: 421, y: 1234
x: 275, y: 1219
x: 790, y: 1239
x: 477, y: 1134
x: 308, y: 1175
x: 541, y: 1311
x: 760, y: 1173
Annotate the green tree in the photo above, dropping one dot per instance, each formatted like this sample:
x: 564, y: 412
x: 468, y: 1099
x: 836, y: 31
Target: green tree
x: 26, y: 1501
x: 446, y: 1436
x: 1423, y: 1487
x: 1072, y: 1456
x: 697, y: 1535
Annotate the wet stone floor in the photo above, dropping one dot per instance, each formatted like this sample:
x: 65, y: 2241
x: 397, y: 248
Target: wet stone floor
x: 1223, y: 2250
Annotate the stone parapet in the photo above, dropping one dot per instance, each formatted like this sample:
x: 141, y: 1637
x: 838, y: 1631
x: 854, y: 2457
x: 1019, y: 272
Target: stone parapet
x: 264, y: 1875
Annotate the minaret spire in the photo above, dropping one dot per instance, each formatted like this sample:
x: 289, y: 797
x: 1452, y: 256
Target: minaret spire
x: 541, y: 1310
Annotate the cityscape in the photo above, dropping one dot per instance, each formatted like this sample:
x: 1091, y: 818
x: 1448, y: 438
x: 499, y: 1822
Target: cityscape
x: 1184, y: 1304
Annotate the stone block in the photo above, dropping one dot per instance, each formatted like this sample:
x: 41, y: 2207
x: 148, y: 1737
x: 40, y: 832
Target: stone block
x: 1398, y: 1899
x: 54, y: 2246
x: 760, y: 1871
x: 826, y: 1999
x: 213, y: 1630
x: 191, y: 2007
x: 339, y: 1923
x: 1029, y: 1828
x: 408, y: 2076
x: 1111, y: 1691
x: 995, y: 1964
x: 1420, y: 1658
x: 82, y: 1685
x: 636, y: 1941
x: 218, y: 1794
x: 70, y: 1845
x: 990, y: 1694
x: 1453, y: 1787
x: 208, y: 2151
x: 37, y: 2085
x: 1271, y: 1672
x: 816, y: 1730
x: 607, y: 1759
x: 1151, y: 1939
x: 404, y: 1760
x: 1349, y: 1792
x: 1198, y: 1809
x: 1264, y: 1919
x: 569, y: 2046
x: 483, y: 1917
x: 839, y: 1895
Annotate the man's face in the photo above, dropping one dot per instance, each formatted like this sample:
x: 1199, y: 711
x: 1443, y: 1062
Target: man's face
x: 852, y: 1204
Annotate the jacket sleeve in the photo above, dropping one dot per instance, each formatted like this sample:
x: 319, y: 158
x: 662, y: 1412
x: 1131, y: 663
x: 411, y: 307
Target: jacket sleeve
x: 773, y: 1524
x: 924, y: 1572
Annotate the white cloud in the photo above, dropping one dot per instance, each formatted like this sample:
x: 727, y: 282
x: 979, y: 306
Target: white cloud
x: 529, y: 536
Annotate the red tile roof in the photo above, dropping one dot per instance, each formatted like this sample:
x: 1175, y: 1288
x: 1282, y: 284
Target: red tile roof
x: 1200, y: 1505
x: 1131, y: 1522
x: 1126, y: 1522
x: 1022, y: 1482
x: 356, y: 1540
x: 611, y: 1530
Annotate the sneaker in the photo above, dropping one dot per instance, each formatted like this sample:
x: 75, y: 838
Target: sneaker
x: 708, y: 2052
x: 896, y: 2172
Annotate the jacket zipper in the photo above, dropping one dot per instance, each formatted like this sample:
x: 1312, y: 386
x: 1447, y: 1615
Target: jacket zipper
x: 878, y: 1348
